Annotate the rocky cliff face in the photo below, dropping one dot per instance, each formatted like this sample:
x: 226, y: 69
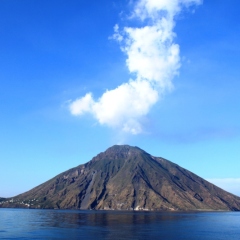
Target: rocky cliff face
x: 127, y: 178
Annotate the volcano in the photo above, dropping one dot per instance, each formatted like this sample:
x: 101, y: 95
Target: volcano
x: 127, y: 178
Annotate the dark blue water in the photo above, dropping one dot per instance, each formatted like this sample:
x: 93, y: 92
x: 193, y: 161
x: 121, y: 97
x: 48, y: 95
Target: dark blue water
x: 64, y: 224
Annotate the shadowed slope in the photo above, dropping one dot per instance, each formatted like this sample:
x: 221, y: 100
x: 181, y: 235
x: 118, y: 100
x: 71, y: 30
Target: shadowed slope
x: 127, y: 178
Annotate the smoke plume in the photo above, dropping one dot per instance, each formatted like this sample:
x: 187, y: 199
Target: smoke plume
x: 153, y: 60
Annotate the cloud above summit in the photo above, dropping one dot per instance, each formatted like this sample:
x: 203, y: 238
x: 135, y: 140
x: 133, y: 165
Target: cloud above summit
x: 152, y: 58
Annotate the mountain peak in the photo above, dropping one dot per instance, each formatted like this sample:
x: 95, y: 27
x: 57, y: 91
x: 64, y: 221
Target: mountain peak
x: 124, y: 149
x: 119, y: 152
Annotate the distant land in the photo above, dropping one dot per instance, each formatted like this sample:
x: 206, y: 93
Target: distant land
x: 127, y: 178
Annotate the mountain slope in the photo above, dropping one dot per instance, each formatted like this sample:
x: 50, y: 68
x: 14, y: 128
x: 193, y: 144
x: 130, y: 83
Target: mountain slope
x: 127, y: 178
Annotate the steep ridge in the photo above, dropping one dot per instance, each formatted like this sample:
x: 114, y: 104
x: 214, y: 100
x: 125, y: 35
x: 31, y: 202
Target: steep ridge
x: 127, y: 178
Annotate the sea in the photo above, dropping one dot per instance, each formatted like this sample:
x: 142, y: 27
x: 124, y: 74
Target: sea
x: 71, y: 224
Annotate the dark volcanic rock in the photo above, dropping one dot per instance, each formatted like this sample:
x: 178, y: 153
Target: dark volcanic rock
x: 127, y: 178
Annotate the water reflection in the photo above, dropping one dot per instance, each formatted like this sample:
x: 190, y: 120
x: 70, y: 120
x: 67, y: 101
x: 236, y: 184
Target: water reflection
x: 63, y: 224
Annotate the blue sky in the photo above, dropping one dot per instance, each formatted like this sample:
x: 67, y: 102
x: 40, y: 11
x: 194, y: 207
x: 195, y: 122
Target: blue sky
x: 55, y: 53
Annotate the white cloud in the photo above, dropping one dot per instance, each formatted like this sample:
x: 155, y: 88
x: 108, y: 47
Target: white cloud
x: 119, y: 107
x: 82, y: 105
x: 152, y: 57
x: 231, y: 185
